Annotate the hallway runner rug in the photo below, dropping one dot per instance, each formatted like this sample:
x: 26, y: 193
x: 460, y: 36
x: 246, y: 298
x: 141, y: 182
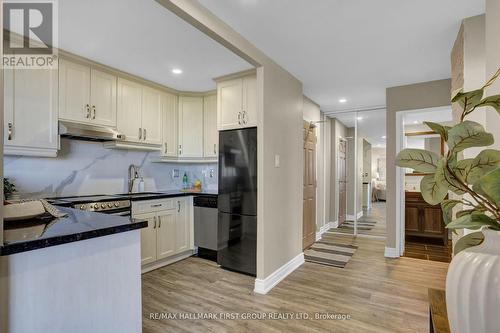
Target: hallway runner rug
x: 329, y: 253
x: 362, y: 225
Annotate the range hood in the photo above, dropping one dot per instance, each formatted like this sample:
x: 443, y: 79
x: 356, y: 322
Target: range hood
x: 88, y: 132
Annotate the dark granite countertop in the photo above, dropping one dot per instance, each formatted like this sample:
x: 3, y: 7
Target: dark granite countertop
x: 164, y: 195
x: 22, y: 236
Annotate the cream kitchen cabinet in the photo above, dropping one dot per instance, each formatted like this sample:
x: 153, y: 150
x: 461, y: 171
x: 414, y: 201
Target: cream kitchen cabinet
x: 170, y: 228
x: 237, y: 103
x: 30, y: 112
x: 170, y: 123
x: 210, y: 133
x: 86, y: 95
x: 190, y: 127
x: 139, y: 116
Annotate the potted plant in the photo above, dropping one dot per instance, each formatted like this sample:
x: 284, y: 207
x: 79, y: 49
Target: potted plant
x: 473, y: 279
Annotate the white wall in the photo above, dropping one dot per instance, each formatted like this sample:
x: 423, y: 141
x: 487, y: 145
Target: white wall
x: 87, y: 168
x: 493, y: 64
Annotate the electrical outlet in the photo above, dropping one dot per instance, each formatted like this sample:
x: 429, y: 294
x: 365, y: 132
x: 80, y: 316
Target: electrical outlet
x: 212, y: 173
x: 175, y: 173
x: 276, y: 161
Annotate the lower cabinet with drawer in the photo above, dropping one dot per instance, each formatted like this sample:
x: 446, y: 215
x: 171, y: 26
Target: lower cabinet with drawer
x: 169, y: 235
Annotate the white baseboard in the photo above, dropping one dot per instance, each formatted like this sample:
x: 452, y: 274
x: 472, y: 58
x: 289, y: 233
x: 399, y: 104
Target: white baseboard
x: 263, y: 286
x: 391, y: 252
x: 350, y: 217
x: 325, y: 228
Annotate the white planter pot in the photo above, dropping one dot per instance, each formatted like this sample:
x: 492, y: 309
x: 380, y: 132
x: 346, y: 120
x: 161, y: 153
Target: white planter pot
x: 473, y: 287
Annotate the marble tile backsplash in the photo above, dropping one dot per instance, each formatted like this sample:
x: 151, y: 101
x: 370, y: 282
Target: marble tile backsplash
x: 88, y: 168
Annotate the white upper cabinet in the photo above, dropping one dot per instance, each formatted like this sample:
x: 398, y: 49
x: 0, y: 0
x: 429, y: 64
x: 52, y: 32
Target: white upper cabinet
x: 151, y: 115
x: 237, y: 103
x: 170, y: 123
x: 129, y: 110
x: 103, y: 98
x: 30, y: 112
x: 74, y: 92
x: 229, y: 104
x: 86, y: 95
x: 190, y: 127
x: 210, y: 133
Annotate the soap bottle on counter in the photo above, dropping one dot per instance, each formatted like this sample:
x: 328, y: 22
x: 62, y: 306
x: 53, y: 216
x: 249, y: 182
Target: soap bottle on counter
x: 185, y: 181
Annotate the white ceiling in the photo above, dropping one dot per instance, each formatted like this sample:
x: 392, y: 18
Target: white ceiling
x: 145, y: 39
x: 352, y: 49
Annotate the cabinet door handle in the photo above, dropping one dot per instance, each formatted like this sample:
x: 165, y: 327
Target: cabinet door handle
x: 215, y: 148
x: 87, y: 109
x: 93, y: 111
x: 159, y: 222
x: 154, y: 219
x: 180, y: 149
x: 140, y: 133
x: 155, y: 205
x: 144, y: 132
x: 9, y: 126
x: 239, y: 118
x: 178, y: 206
x: 245, y: 120
x: 166, y: 148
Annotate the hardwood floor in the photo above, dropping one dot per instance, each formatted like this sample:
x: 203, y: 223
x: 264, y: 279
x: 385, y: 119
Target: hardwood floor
x: 428, y: 251
x: 376, y: 213
x: 380, y: 295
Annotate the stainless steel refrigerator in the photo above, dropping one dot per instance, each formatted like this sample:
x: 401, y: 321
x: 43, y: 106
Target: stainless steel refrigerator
x: 237, y: 200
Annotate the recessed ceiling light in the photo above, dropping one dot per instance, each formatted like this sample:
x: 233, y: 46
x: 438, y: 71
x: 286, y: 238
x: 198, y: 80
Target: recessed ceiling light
x: 415, y: 122
x: 384, y: 137
x: 177, y: 71
x: 359, y: 118
x: 342, y: 100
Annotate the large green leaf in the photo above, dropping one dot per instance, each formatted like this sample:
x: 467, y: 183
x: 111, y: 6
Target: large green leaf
x: 469, y: 211
x: 469, y: 240
x: 418, y: 159
x: 473, y: 221
x: 490, y: 183
x: 468, y: 99
x: 446, y: 179
x: 438, y: 128
x: 447, y: 207
x: 471, y: 169
x: 493, y: 101
x: 468, y: 134
x: 432, y: 192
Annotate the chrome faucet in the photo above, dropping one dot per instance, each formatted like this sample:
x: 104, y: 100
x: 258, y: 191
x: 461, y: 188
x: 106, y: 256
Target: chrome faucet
x: 133, y: 174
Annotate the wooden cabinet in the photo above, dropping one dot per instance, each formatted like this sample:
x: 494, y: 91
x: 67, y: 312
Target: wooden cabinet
x: 237, y: 103
x: 86, y: 95
x: 170, y: 123
x: 30, y: 112
x: 210, y: 133
x: 190, y: 127
x: 170, y: 228
x: 139, y: 116
x: 422, y: 219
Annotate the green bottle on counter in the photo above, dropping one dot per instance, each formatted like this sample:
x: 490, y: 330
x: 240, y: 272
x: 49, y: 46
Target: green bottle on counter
x: 185, y: 181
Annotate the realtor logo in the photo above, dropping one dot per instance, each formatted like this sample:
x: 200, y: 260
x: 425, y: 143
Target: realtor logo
x: 30, y: 34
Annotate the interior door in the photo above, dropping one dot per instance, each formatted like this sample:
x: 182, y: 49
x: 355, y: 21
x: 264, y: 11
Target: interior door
x: 129, y: 110
x: 309, y: 201
x: 165, y: 235
x: 103, y: 98
x: 74, y: 92
x: 342, y: 163
x: 148, y: 238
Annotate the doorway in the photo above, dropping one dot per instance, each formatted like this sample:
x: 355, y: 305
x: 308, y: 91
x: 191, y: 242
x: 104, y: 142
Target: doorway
x: 309, y: 201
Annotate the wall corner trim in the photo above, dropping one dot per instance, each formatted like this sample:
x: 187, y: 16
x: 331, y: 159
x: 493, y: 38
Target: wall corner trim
x: 391, y: 252
x: 325, y: 228
x: 263, y: 286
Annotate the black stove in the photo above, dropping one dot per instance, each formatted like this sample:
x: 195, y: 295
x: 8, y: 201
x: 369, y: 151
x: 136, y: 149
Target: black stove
x: 104, y: 203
